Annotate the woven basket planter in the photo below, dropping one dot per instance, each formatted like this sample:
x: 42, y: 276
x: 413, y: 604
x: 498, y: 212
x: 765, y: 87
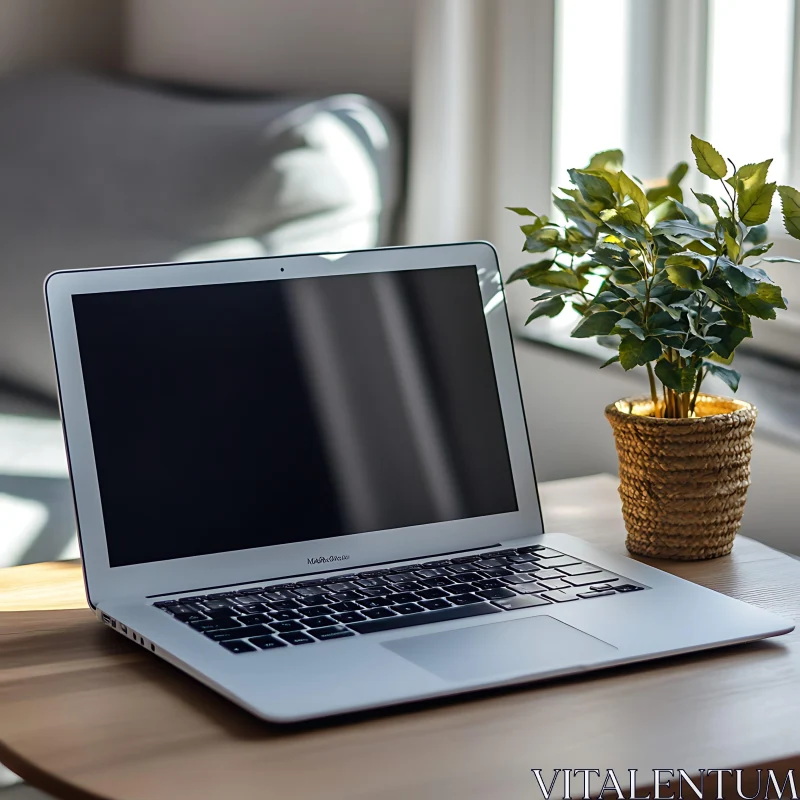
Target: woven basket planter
x: 683, y: 482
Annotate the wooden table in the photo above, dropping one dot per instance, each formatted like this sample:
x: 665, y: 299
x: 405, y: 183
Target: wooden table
x: 86, y: 714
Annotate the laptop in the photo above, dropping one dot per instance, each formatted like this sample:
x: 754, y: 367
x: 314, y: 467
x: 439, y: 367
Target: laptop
x: 306, y: 481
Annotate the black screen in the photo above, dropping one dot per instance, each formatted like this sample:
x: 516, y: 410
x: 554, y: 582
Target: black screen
x: 241, y: 415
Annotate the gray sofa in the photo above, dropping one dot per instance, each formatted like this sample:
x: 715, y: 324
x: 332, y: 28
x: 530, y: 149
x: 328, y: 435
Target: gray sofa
x: 98, y: 171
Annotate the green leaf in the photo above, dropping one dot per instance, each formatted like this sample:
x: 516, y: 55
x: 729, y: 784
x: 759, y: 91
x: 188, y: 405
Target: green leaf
x: 750, y: 176
x: 709, y: 161
x: 758, y: 234
x: 679, y: 379
x: 523, y: 212
x: 625, y: 275
x: 681, y: 227
x: 755, y: 204
x: 729, y: 376
x: 758, y: 250
x: 601, y: 323
x: 628, y: 324
x: 541, y: 240
x: 684, y: 277
x: 675, y: 313
x: 629, y: 188
x: 592, y: 187
x: 634, y: 352
x: 770, y: 293
x: 612, y: 360
x: 790, y: 203
x: 553, y: 293
x: 530, y: 270
x: 707, y: 200
x: 739, y: 282
x: 756, y: 306
x: 731, y: 245
x: 678, y: 173
x: 548, y: 308
x: 562, y: 278
x: 607, y: 159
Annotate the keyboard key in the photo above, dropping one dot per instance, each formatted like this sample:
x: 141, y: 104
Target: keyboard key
x: 189, y: 616
x: 334, y: 632
x: 316, y: 611
x: 348, y: 605
x: 297, y: 638
x: 529, y: 588
x: 508, y: 552
x: 434, y: 572
x: 236, y: 646
x: 595, y: 577
x: 244, y: 632
x: 520, y: 568
x: 442, y: 562
x: 556, y: 583
x: 165, y: 604
x: 308, y: 591
x: 496, y: 594
x: 561, y: 596
x: 561, y: 561
x: 319, y: 622
x: 628, y: 587
x: 497, y: 572
x: 195, y: 599
x: 218, y: 605
x: 492, y: 583
x: 254, y: 619
x: 465, y: 559
x: 410, y: 586
x: 209, y: 625
x: 342, y: 586
x: 521, y: 559
x: 379, y: 613
x: 374, y: 602
x: 490, y: 562
x: 267, y: 642
x: 408, y: 620
x: 349, y: 616
x: 460, y: 588
x: 253, y: 590
x: 455, y: 569
x: 340, y: 597
x: 579, y: 569
x: 273, y: 596
x: 403, y: 597
x: 407, y: 608
x: 590, y: 595
x: 225, y: 613
x: 533, y: 548
x: 546, y: 552
x: 284, y: 616
x: 601, y: 587
x: 432, y: 594
x: 254, y: 608
x: 464, y: 599
x: 285, y: 605
x: 181, y: 609
x: 288, y: 626
x: 375, y: 573
x: 402, y: 578
x: 313, y: 600
x: 371, y: 583
x: 245, y: 599
x: 527, y: 601
x: 434, y: 605
x: 469, y: 577
x: 522, y: 578
x: 544, y: 574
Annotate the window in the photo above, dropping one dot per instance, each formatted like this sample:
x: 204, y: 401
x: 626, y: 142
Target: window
x: 678, y: 70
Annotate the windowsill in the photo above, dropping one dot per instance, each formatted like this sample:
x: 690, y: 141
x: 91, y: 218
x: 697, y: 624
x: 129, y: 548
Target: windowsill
x: 771, y: 384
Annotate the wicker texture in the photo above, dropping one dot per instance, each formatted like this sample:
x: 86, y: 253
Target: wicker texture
x: 683, y: 482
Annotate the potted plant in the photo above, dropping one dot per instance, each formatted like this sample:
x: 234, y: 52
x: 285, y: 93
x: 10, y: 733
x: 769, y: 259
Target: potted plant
x: 672, y: 291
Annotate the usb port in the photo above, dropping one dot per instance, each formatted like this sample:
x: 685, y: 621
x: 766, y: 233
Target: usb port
x: 108, y: 620
x: 123, y: 628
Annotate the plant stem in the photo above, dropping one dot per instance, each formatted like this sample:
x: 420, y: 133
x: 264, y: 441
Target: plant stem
x: 653, y: 391
x: 700, y: 376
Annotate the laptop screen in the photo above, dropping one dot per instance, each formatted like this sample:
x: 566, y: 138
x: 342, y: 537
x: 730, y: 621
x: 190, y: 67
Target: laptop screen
x: 241, y: 415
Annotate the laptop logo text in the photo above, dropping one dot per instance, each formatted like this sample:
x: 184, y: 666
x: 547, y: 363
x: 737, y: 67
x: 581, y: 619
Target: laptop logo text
x: 327, y: 559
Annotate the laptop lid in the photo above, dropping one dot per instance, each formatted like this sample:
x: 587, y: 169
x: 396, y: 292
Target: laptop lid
x: 238, y: 421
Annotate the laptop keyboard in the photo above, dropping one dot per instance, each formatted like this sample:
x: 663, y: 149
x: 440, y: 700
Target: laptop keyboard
x: 304, y: 612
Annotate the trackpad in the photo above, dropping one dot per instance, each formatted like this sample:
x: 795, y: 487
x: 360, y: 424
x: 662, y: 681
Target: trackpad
x: 499, y: 650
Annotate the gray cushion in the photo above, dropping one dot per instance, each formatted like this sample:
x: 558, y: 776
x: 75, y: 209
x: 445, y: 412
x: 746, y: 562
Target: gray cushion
x: 99, y: 172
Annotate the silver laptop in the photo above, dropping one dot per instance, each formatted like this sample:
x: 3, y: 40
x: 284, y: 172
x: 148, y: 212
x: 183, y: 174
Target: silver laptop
x: 306, y: 481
